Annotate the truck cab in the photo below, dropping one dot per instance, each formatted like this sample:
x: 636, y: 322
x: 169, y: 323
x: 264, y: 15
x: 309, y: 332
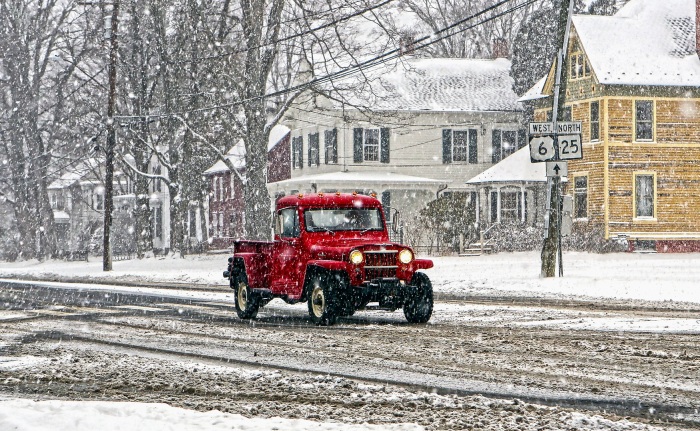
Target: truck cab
x: 333, y: 252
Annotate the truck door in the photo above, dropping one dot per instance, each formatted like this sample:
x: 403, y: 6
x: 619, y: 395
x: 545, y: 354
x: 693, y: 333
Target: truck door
x: 287, y: 265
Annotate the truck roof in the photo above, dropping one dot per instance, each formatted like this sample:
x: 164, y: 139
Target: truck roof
x: 326, y: 200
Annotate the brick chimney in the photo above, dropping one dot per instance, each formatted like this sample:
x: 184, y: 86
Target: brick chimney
x: 499, y: 49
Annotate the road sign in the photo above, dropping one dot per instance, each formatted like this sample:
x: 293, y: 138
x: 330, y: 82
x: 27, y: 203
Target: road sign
x: 569, y: 147
x: 541, y: 128
x: 542, y: 148
x: 548, y: 143
x: 569, y: 127
x: 557, y: 169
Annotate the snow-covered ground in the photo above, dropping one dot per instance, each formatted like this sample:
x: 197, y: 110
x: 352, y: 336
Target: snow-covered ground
x: 626, y: 278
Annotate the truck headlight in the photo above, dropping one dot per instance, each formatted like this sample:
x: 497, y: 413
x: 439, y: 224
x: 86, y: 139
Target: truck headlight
x: 405, y: 256
x: 356, y: 257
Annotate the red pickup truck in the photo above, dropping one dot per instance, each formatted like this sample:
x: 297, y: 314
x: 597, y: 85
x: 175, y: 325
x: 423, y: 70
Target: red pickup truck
x: 332, y: 251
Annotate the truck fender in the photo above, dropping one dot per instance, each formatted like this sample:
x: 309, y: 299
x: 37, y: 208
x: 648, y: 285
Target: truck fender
x: 422, y: 264
x: 253, y: 264
x: 330, y: 265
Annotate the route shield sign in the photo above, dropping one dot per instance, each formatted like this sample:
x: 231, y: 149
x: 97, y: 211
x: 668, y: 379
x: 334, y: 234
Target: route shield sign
x: 542, y: 148
x: 570, y: 147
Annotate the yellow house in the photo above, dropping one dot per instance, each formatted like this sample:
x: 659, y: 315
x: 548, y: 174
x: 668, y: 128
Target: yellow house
x: 633, y: 80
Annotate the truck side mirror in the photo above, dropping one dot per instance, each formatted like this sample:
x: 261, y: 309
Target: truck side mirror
x: 395, y: 220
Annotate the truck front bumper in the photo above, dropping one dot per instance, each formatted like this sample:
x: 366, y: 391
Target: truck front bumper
x: 390, y: 293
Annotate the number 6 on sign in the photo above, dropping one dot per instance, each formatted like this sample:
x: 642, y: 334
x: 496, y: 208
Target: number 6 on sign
x: 541, y: 148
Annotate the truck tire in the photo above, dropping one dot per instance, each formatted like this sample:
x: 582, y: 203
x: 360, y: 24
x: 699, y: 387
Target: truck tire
x: 419, y: 308
x: 323, y: 297
x: 247, y: 303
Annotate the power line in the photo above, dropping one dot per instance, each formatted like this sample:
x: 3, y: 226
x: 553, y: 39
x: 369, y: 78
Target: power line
x: 380, y: 59
x: 373, y: 62
x: 290, y: 37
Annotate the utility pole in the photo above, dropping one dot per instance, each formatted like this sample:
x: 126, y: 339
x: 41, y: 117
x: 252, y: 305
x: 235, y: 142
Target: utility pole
x: 111, y: 132
x: 111, y: 140
x: 551, y: 248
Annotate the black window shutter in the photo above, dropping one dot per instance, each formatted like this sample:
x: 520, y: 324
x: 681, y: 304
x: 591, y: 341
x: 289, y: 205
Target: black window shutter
x: 308, y: 148
x: 357, y: 145
x: 301, y: 152
x: 334, y: 146
x: 384, y: 145
x: 446, y: 146
x: 386, y: 203
x: 522, y: 138
x: 496, y: 146
x: 473, y: 146
x: 494, y: 207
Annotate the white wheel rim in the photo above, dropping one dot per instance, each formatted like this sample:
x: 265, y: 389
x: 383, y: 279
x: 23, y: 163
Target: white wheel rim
x: 242, y: 295
x: 318, y: 301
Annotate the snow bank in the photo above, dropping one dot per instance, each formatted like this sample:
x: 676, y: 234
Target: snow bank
x: 27, y: 415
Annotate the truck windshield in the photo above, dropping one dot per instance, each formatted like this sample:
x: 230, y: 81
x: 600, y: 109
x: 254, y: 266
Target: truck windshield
x: 343, y: 219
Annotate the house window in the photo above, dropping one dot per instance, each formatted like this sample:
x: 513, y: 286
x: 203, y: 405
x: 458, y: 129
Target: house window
x: 222, y: 190
x: 157, y: 222
x: 370, y: 145
x: 297, y: 152
x: 581, y: 197
x: 510, y: 202
x: 506, y: 206
x: 233, y: 190
x: 157, y: 187
x: 644, y: 194
x: 222, y: 231
x: 99, y: 201
x: 595, y: 121
x: 503, y: 144
x: 579, y: 66
x: 644, y: 119
x: 459, y: 146
x: 314, y: 153
x: 330, y: 145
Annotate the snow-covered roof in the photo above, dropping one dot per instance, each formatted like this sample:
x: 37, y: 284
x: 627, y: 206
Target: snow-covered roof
x: 236, y: 154
x: 647, y: 42
x: 75, y: 174
x: 516, y: 168
x: 348, y: 179
x: 443, y: 85
x: 60, y: 215
x: 536, y: 92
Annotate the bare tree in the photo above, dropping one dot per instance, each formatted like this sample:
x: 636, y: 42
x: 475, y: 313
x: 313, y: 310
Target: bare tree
x: 42, y: 48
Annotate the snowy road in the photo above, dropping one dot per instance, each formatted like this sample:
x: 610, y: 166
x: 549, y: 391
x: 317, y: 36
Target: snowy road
x: 627, y: 361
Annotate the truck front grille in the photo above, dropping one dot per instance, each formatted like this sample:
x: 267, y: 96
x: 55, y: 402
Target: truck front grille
x: 380, y: 264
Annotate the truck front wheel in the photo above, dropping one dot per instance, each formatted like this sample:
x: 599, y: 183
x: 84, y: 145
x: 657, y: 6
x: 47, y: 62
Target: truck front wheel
x: 247, y: 303
x: 323, y: 297
x: 419, y: 308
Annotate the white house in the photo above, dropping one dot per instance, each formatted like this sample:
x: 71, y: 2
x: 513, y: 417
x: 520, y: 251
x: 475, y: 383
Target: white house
x: 425, y: 127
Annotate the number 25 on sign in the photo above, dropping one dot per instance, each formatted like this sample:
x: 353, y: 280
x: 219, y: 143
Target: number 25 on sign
x: 542, y: 148
x: 569, y: 147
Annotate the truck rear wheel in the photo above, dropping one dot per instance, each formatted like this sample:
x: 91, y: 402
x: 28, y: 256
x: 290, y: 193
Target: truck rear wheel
x: 247, y: 303
x: 323, y: 296
x: 419, y: 308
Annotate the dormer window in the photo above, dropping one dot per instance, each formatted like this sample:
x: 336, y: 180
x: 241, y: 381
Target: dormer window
x: 578, y: 66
